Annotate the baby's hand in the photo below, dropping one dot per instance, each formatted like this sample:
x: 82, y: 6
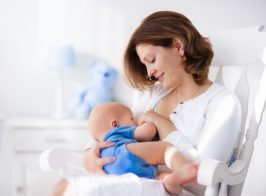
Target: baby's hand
x: 145, y: 132
x: 148, y: 116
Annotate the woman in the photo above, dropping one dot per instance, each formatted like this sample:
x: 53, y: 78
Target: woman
x: 168, y: 60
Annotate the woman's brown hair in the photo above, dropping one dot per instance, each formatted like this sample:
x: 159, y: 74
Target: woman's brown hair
x: 160, y: 29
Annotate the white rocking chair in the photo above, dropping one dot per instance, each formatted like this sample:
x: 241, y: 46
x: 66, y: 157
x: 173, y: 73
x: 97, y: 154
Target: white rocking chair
x: 240, y: 58
x: 218, y: 178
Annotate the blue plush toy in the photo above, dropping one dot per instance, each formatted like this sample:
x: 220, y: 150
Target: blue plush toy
x: 99, y: 92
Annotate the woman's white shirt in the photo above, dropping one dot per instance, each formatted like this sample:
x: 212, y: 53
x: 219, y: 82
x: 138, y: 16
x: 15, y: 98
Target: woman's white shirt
x: 207, y: 126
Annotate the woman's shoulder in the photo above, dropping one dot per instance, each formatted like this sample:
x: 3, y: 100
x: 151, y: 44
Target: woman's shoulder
x: 220, y: 90
x: 219, y: 93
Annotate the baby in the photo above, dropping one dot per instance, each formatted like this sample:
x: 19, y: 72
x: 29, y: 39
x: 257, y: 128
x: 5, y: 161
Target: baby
x: 134, y: 150
x: 114, y: 122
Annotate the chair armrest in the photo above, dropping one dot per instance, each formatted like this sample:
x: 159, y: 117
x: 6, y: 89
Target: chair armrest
x: 66, y: 162
x: 211, y: 172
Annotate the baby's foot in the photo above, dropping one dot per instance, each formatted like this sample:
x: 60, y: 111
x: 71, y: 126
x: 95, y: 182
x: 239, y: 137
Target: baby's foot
x: 184, y: 177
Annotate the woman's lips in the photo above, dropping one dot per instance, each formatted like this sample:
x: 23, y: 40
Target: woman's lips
x: 160, y: 78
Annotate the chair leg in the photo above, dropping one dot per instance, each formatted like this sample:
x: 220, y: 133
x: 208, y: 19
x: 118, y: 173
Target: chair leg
x: 223, y: 190
x: 211, y: 191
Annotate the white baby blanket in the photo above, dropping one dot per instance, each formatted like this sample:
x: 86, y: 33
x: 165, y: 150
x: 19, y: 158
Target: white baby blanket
x: 112, y: 185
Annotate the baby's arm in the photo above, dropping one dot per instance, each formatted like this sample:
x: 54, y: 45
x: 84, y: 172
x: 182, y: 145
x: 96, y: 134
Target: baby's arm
x: 145, y: 132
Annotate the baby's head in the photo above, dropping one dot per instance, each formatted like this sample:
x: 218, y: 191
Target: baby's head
x: 107, y: 116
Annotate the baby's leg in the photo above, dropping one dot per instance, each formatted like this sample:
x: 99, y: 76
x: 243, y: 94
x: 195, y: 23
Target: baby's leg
x: 161, y: 175
x: 158, y: 153
x: 174, y: 181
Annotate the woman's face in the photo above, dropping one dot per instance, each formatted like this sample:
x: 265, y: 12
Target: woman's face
x: 162, y: 63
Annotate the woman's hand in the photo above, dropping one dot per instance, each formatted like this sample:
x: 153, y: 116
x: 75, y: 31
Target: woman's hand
x: 92, y: 160
x: 164, y: 126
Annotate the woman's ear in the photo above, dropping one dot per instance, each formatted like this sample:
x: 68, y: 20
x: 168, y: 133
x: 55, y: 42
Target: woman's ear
x: 178, y: 44
x: 114, y: 124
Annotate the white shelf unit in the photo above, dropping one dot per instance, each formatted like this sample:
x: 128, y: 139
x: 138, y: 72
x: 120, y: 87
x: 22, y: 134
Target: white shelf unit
x: 25, y: 140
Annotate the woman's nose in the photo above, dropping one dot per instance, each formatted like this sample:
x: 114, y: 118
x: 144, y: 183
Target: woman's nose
x: 151, y: 72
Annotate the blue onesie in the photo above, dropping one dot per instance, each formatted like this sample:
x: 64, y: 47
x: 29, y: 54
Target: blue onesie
x: 125, y: 160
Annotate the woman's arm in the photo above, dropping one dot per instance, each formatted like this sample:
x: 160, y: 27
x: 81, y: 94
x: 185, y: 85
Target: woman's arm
x: 219, y: 133
x: 166, y: 129
x: 217, y: 138
x: 221, y: 130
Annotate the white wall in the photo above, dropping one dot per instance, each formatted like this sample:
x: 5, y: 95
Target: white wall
x: 30, y: 28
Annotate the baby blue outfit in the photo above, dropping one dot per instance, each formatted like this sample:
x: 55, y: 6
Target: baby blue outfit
x: 126, y: 162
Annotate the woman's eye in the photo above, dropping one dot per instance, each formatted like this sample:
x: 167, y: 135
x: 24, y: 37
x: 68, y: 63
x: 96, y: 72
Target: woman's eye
x: 153, y: 60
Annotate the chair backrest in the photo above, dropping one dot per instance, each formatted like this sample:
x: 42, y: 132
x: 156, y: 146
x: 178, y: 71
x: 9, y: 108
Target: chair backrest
x: 241, y: 58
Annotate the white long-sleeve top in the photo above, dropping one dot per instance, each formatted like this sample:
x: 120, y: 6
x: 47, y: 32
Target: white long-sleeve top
x: 207, y: 126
